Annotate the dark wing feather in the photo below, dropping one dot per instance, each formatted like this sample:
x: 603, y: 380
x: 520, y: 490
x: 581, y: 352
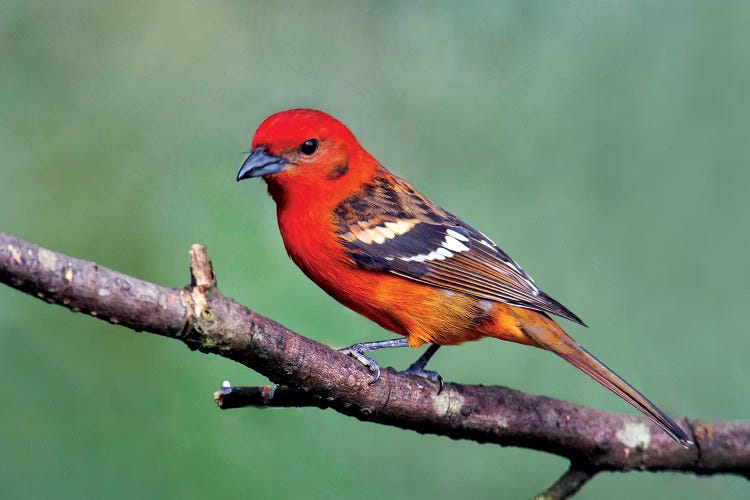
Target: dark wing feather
x: 390, y: 227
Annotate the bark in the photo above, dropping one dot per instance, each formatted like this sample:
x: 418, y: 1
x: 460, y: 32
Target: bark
x: 312, y: 374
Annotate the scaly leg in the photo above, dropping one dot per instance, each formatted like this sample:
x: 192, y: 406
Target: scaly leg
x: 417, y: 368
x: 357, y: 351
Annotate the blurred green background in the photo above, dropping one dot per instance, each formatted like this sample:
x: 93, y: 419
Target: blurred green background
x: 604, y: 145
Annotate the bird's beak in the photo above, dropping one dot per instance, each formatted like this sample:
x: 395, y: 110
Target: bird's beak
x: 260, y: 163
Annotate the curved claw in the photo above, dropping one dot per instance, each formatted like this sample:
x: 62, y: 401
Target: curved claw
x: 377, y: 374
x: 368, y: 362
x: 430, y: 375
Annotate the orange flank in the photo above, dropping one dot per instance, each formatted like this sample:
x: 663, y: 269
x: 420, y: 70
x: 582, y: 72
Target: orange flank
x: 378, y: 246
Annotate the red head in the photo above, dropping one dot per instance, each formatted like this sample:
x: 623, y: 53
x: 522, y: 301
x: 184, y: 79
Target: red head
x: 305, y: 152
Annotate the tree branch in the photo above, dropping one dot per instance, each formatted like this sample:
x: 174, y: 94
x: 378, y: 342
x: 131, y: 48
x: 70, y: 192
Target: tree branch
x: 568, y: 484
x: 269, y: 396
x: 316, y: 375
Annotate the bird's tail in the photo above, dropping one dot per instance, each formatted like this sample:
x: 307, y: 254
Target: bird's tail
x: 551, y: 337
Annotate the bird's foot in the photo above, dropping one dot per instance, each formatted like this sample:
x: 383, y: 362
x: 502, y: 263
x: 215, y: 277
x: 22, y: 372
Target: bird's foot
x: 417, y: 368
x: 430, y: 375
x: 357, y: 352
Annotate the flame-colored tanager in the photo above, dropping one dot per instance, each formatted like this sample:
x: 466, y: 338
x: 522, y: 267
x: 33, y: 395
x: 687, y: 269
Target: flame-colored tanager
x: 378, y: 246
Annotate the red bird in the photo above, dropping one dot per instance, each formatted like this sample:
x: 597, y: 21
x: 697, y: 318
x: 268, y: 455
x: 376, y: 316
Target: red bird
x: 379, y: 247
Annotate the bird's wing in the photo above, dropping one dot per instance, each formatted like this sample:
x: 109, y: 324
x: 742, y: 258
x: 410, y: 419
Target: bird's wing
x: 390, y: 227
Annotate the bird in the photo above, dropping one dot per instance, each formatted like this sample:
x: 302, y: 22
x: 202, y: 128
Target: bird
x: 378, y: 246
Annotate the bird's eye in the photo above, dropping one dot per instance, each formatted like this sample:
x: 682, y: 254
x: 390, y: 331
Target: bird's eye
x: 309, y: 147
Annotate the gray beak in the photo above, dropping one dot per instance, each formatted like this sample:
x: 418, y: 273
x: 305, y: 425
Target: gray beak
x: 260, y: 163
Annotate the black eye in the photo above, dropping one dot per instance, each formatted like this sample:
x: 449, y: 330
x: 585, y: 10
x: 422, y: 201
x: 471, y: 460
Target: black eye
x: 309, y: 147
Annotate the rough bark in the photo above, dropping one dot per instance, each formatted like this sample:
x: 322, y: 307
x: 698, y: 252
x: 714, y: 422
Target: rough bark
x: 312, y: 374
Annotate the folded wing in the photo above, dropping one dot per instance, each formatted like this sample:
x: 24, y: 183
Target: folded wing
x: 390, y: 227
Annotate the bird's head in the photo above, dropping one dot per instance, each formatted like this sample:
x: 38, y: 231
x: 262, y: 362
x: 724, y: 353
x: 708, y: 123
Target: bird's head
x: 304, y: 149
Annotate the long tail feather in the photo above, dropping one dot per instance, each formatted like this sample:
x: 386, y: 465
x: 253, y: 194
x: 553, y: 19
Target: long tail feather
x: 561, y: 344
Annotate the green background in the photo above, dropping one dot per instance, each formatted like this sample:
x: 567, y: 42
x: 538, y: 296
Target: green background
x: 604, y: 145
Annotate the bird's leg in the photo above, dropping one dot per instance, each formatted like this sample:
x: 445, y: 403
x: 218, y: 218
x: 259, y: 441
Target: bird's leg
x: 417, y: 368
x: 357, y: 351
